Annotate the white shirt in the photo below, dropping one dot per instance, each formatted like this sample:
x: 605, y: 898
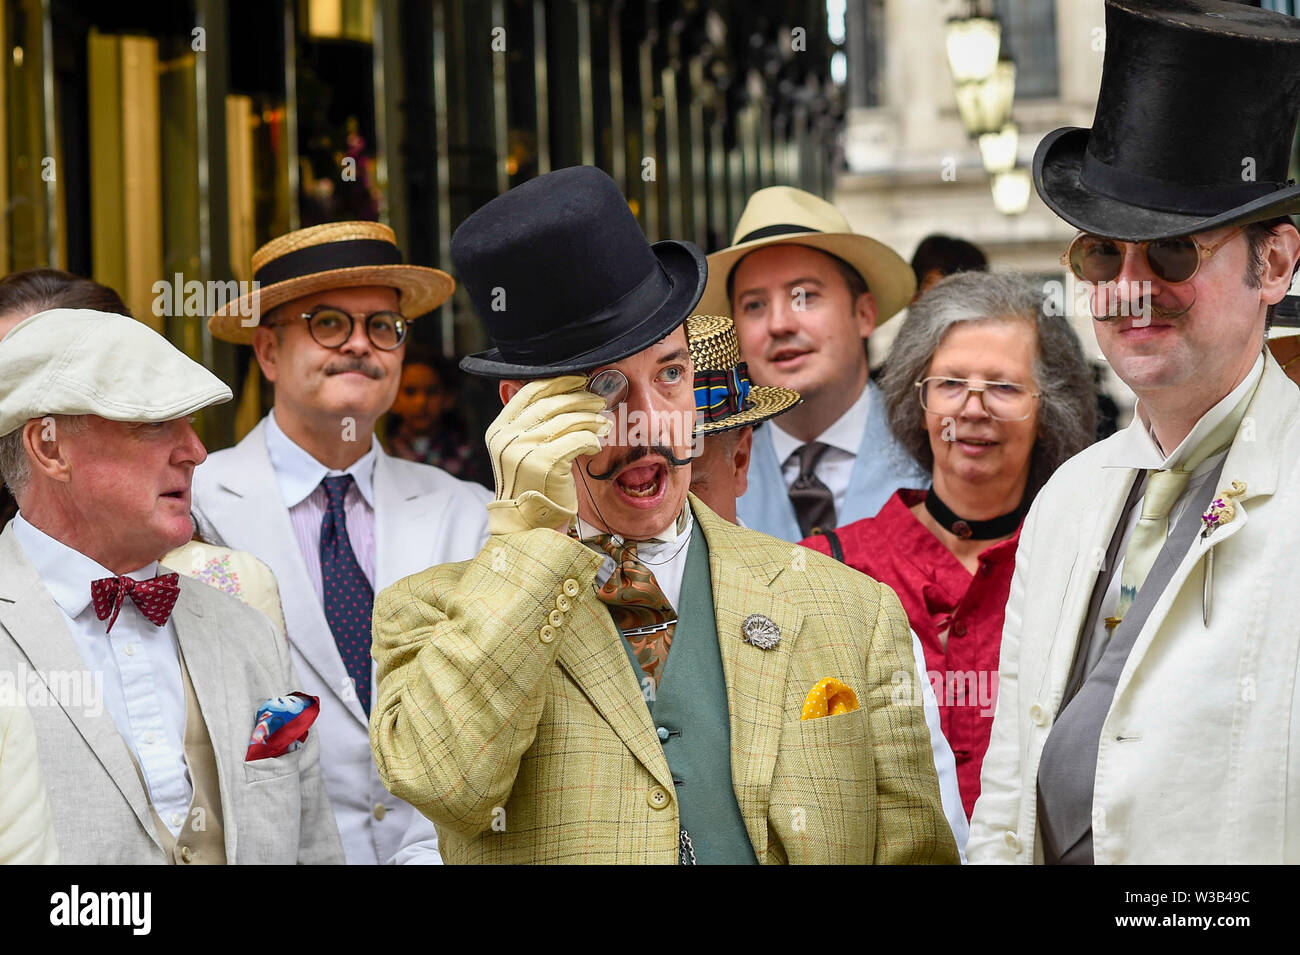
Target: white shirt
x: 835, y: 469
x: 137, y: 663
x: 299, y: 476
x: 1137, y: 448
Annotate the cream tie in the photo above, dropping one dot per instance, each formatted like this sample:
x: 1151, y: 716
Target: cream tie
x: 1163, y: 489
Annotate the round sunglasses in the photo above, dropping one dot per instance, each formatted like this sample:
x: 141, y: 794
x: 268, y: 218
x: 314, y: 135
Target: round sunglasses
x: 1093, y: 258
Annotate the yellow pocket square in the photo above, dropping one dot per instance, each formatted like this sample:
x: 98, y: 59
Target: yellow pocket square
x: 830, y: 697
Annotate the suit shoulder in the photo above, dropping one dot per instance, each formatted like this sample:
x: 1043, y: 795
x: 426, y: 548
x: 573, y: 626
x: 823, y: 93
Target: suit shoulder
x: 433, y: 479
x: 1062, y: 487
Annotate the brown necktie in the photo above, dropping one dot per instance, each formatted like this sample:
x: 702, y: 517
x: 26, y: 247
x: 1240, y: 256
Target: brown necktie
x: 814, y: 504
x: 640, y: 610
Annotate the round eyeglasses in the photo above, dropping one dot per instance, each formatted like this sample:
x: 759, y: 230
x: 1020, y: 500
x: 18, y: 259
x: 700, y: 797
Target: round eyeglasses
x: 1093, y: 258
x: 1003, y: 400
x: 330, y: 327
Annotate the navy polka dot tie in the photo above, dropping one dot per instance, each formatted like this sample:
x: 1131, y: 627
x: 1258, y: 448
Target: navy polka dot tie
x: 349, y: 600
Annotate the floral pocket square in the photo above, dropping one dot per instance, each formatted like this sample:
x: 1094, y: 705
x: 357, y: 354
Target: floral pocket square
x: 281, y: 725
x: 830, y: 697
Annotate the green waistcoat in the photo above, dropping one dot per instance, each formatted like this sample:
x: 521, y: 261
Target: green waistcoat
x: 690, y: 715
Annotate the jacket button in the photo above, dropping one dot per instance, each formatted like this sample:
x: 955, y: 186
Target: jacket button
x: 663, y: 733
x: 186, y: 855
x: 562, y: 604
x: 657, y: 798
x: 546, y: 634
x: 380, y: 810
x: 556, y: 618
x: 1038, y: 715
x: 959, y: 628
x: 571, y: 588
x: 1012, y: 842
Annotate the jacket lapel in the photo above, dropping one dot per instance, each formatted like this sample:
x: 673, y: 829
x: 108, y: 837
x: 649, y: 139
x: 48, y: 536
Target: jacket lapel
x: 34, y: 621
x: 200, y: 644
x: 248, y: 513
x: 401, y: 505
x: 742, y: 578
x: 601, y: 668
x: 766, y: 506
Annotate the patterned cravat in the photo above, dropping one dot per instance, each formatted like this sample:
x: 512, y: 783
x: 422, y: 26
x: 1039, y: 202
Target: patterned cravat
x: 154, y: 597
x: 1162, y: 491
x: 349, y: 599
x: 814, y: 504
x: 640, y: 610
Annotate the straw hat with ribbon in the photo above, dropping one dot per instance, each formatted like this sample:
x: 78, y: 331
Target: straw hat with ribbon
x: 724, y: 398
x: 329, y: 256
x: 781, y: 215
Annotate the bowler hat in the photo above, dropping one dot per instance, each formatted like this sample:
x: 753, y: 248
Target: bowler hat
x: 564, y: 279
x: 1194, y: 124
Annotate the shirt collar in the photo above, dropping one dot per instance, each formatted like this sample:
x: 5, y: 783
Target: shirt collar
x: 845, y: 434
x: 669, y: 535
x: 66, y: 573
x: 298, y: 473
x: 1136, y: 446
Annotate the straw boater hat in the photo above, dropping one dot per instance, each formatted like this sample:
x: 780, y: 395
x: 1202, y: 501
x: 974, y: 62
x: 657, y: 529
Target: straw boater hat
x: 781, y: 215
x: 329, y: 256
x: 724, y: 398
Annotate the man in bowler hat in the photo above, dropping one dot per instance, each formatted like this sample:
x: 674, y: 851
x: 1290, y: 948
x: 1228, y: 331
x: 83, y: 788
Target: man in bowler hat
x: 621, y: 676
x: 1147, y: 691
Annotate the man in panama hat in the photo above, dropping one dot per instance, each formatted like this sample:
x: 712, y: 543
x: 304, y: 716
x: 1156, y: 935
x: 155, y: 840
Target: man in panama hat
x: 619, y: 676
x: 805, y: 292
x: 1147, y: 696
x: 311, y: 492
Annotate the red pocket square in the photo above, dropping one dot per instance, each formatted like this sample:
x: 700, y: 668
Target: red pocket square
x: 281, y: 725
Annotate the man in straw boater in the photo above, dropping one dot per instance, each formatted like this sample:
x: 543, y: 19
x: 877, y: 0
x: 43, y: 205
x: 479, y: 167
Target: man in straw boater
x: 173, y: 729
x: 727, y: 408
x: 1147, y: 694
x: 311, y: 492
x: 805, y: 292
x: 630, y: 688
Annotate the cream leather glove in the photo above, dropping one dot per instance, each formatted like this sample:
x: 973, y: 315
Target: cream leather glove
x: 532, y: 444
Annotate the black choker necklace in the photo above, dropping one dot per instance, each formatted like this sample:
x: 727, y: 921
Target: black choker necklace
x: 1001, y: 526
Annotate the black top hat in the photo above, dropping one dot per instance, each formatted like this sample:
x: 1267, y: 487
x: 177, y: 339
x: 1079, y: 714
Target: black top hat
x: 1194, y: 123
x: 564, y: 279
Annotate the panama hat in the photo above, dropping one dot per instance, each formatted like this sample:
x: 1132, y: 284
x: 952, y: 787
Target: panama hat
x: 564, y: 279
x: 329, y: 256
x: 1195, y: 118
x: 782, y: 215
x: 724, y: 398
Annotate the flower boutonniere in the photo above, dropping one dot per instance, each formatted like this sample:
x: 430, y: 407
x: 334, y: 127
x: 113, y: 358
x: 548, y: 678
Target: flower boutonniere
x: 1222, y: 508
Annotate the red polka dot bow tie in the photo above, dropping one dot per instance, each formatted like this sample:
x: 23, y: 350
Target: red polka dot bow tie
x: 154, y: 597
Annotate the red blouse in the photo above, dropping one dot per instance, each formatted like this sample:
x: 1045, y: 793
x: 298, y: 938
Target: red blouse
x: 937, y: 592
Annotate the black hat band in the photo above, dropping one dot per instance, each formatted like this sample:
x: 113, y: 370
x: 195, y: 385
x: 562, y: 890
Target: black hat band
x: 770, y: 230
x: 1165, y: 196
x: 586, y: 334
x: 344, y: 254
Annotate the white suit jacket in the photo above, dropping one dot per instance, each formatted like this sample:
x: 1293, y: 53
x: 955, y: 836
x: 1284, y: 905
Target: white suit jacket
x: 26, y: 826
x: 1199, y: 758
x: 273, y: 810
x: 423, y: 517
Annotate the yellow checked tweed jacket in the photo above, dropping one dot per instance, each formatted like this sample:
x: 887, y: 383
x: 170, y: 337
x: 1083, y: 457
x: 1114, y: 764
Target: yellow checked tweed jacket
x: 532, y: 745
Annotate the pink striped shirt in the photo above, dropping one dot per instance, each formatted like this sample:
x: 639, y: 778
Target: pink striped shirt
x: 299, y: 476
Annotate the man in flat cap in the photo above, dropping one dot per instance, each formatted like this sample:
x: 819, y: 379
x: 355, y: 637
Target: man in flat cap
x: 1147, y: 695
x: 312, y: 493
x: 169, y: 722
x: 661, y: 686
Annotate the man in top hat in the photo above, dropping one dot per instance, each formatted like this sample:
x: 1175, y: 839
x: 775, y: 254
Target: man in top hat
x: 632, y: 693
x: 311, y: 492
x: 727, y: 407
x: 1147, y: 693
x: 160, y: 733
x: 805, y: 292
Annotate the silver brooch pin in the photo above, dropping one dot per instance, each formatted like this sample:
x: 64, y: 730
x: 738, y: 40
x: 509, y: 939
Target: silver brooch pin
x: 760, y: 631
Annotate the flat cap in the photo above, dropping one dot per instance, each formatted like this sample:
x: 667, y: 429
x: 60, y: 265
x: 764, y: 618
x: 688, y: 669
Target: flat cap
x: 71, y: 361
